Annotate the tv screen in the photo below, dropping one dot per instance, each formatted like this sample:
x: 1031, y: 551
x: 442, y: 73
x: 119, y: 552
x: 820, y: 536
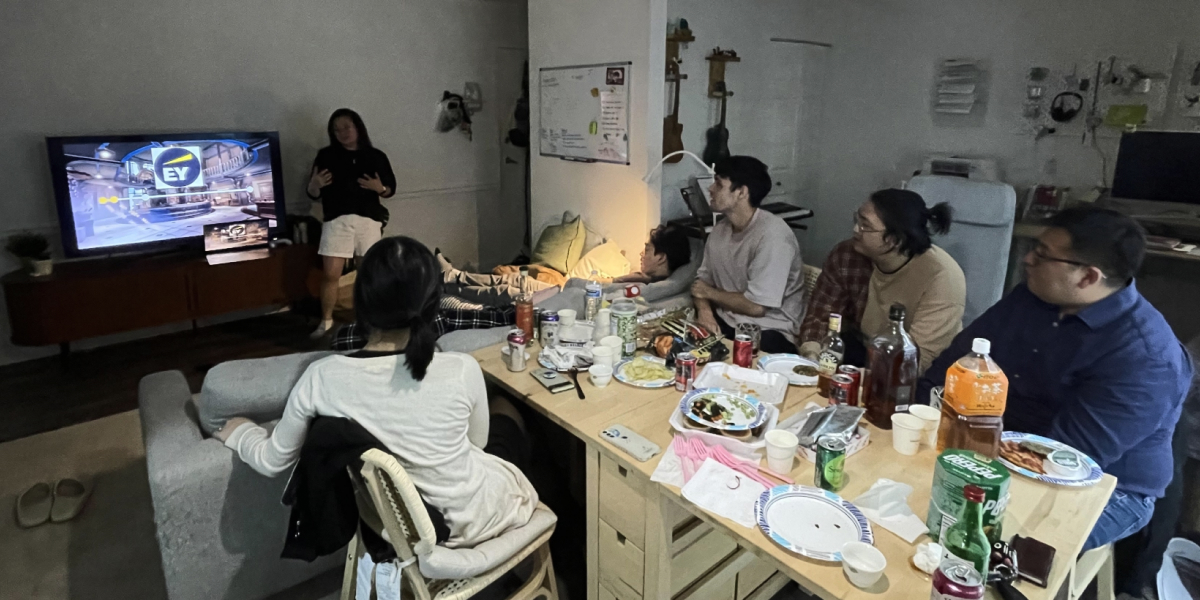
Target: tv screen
x: 131, y: 193
x: 1158, y: 165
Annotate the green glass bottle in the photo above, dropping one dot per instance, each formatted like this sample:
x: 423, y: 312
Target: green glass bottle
x: 965, y: 538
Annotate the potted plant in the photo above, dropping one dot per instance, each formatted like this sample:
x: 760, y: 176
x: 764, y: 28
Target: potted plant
x: 33, y: 249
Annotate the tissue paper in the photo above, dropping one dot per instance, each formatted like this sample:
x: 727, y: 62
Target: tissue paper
x: 886, y: 504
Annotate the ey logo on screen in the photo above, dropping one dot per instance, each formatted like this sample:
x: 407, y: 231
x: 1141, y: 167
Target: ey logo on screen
x: 177, y: 167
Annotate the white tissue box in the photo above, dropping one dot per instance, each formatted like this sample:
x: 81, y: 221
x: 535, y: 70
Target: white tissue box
x: 862, y: 437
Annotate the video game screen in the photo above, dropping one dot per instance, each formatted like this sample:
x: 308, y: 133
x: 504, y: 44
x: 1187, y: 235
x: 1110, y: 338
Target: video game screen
x: 227, y: 236
x: 125, y: 193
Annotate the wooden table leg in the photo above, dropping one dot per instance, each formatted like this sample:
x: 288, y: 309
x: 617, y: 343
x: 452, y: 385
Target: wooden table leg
x: 592, y: 491
x: 657, y: 571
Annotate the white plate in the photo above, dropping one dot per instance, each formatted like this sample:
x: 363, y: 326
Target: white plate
x: 1087, y: 474
x: 619, y: 375
x: 744, y: 412
x: 811, y: 521
x: 783, y: 364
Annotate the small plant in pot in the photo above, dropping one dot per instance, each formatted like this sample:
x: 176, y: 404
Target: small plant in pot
x: 33, y: 249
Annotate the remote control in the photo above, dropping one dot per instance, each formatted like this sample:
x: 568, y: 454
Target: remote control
x: 633, y: 444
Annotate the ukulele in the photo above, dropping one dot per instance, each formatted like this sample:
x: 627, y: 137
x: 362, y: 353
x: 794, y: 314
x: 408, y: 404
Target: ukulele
x: 717, y: 145
x: 672, y: 129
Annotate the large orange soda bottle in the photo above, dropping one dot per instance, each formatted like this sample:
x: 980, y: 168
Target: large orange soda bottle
x: 973, y: 403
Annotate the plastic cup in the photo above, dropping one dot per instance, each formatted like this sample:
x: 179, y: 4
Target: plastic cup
x: 603, y: 355
x: 781, y: 448
x: 600, y: 375
x: 907, y: 432
x: 862, y: 563
x: 612, y: 341
x: 566, y: 317
x: 931, y: 417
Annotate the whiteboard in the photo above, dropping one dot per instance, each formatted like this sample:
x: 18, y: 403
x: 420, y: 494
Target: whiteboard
x: 584, y: 112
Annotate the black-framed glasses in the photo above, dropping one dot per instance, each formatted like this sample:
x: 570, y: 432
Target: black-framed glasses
x: 859, y: 224
x: 1040, y: 258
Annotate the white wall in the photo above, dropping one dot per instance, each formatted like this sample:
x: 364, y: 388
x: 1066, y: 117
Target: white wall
x: 612, y: 198
x: 876, y: 124
x: 72, y: 68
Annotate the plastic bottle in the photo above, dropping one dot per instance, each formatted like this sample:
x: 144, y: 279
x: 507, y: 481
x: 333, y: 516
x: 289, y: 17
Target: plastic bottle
x: 973, y: 403
x: 594, y: 292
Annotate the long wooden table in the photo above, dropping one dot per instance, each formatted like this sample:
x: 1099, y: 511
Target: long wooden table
x: 1061, y: 517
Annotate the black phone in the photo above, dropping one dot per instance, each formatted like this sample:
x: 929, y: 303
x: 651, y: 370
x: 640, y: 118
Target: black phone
x: 552, y: 380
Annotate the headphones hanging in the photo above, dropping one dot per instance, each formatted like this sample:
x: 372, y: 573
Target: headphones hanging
x: 1065, y: 106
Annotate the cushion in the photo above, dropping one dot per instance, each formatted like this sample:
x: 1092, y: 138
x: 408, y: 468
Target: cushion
x: 560, y: 246
x: 592, y: 238
x: 256, y: 388
x: 606, y: 259
x: 460, y: 563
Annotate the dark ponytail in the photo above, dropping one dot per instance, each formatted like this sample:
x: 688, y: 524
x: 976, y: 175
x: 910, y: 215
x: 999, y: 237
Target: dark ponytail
x: 398, y: 287
x: 907, y: 222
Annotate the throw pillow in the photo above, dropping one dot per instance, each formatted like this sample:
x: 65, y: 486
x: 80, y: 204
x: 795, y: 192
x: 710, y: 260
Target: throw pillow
x: 606, y: 259
x: 592, y: 238
x: 560, y: 246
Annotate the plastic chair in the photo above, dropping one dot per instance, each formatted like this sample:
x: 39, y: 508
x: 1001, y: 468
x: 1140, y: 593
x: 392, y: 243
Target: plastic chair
x: 1170, y: 585
x: 1094, y: 564
x: 392, y: 507
x: 811, y: 274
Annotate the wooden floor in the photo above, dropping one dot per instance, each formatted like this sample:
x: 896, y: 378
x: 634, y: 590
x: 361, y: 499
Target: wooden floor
x: 50, y: 393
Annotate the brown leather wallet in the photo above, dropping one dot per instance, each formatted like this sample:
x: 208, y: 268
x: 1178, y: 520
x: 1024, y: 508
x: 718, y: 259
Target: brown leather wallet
x: 1034, y: 559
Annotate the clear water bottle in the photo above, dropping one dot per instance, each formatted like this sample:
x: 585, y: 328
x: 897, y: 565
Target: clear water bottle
x: 592, y: 304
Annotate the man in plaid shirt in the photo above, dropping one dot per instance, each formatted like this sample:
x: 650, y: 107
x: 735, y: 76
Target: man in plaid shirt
x: 453, y: 314
x: 841, y: 289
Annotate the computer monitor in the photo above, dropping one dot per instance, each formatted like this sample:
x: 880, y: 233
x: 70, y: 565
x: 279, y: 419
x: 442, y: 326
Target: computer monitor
x: 1159, y: 166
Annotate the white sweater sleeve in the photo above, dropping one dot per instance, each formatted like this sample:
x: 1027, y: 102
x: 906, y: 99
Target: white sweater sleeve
x: 480, y: 421
x: 273, y: 454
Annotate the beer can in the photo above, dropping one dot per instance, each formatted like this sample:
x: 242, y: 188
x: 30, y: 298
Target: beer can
x: 855, y: 374
x: 685, y: 371
x: 743, y: 350
x: 516, y: 350
x: 841, y: 389
x: 830, y: 471
x: 549, y: 328
x: 956, y: 579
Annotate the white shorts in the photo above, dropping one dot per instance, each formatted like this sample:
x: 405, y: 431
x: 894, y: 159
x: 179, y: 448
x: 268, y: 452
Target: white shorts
x: 348, y: 236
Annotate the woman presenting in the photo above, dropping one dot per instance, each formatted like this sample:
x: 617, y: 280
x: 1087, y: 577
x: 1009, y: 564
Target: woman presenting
x: 349, y: 176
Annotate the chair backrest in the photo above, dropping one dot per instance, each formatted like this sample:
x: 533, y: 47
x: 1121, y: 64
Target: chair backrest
x: 980, y: 236
x: 811, y: 274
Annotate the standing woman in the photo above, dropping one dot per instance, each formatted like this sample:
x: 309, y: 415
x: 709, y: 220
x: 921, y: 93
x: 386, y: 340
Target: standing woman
x: 349, y: 176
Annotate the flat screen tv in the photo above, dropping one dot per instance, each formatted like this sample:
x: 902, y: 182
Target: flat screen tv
x: 133, y: 193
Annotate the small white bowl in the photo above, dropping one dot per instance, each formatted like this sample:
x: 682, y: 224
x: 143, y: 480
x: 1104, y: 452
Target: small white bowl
x: 1062, y: 463
x: 600, y: 375
x: 862, y: 563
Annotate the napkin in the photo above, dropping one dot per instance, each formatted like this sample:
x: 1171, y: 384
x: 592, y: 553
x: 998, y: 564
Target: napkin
x: 886, y: 505
x: 669, y: 469
x: 563, y: 357
x: 723, y: 491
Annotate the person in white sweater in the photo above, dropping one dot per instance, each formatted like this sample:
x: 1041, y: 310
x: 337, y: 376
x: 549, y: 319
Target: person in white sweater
x: 429, y: 408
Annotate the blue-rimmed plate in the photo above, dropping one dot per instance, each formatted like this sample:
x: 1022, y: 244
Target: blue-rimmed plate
x: 622, y: 374
x: 1020, y: 451
x: 786, y: 364
x: 722, y: 409
x: 811, y: 521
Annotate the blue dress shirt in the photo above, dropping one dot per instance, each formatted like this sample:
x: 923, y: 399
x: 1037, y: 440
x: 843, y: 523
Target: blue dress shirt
x: 1109, y: 381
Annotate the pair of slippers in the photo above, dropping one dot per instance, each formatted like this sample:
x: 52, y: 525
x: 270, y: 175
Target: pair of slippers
x: 57, y: 504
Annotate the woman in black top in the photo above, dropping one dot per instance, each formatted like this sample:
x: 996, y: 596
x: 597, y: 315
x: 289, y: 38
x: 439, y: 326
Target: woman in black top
x: 349, y: 176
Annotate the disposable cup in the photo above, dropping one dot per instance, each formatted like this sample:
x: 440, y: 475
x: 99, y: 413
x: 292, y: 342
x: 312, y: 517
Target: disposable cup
x: 907, y: 432
x: 931, y: 418
x: 612, y: 341
x: 862, y: 563
x: 603, y: 355
x: 600, y: 375
x: 566, y: 317
x: 781, y: 448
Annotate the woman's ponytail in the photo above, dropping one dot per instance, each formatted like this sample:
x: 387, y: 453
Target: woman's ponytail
x: 398, y: 287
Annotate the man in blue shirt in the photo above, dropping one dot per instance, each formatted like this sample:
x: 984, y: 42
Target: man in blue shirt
x: 1090, y: 362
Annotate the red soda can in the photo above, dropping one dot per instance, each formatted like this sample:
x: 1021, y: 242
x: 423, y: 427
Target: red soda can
x: 840, y: 388
x: 854, y: 373
x: 685, y: 371
x: 743, y: 350
x: 956, y: 579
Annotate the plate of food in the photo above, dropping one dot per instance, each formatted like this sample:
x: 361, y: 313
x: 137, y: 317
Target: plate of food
x: 1046, y: 460
x: 798, y: 370
x: 722, y: 409
x: 811, y: 521
x: 644, y: 372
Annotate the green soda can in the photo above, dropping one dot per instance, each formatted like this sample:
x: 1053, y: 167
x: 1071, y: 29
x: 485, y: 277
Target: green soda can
x: 956, y: 469
x: 830, y: 471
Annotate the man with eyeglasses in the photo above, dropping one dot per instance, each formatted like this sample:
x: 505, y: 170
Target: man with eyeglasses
x: 1090, y: 362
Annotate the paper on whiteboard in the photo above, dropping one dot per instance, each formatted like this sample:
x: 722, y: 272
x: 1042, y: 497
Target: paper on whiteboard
x: 614, y: 130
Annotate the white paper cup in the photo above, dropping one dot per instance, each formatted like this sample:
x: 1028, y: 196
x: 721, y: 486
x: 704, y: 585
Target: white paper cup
x: 603, y: 355
x: 907, y: 432
x: 781, y: 448
x: 600, y: 375
x: 566, y: 317
x: 612, y: 341
x: 931, y: 417
x: 862, y: 563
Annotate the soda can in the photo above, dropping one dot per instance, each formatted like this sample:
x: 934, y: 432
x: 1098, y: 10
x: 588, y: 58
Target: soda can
x: 516, y: 350
x: 855, y: 374
x: 830, y: 471
x: 841, y: 388
x: 956, y: 579
x: 743, y: 350
x: 633, y: 290
x: 685, y: 371
x: 549, y: 328
x: 625, y: 325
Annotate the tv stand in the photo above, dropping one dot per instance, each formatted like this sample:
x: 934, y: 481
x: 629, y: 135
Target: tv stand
x: 90, y: 298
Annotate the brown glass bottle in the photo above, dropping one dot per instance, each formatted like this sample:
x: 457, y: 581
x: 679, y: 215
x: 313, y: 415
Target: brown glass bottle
x: 893, y: 363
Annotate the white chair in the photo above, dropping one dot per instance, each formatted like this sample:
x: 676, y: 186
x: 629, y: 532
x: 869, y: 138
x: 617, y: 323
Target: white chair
x: 1094, y: 564
x: 980, y: 236
x: 811, y: 274
x: 395, y: 511
x: 1170, y: 586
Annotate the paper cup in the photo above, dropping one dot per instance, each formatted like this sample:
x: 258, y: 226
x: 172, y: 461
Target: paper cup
x: 600, y: 375
x: 612, y: 341
x: 931, y: 417
x: 566, y: 317
x: 862, y: 563
x: 907, y: 432
x: 781, y: 448
x: 602, y: 355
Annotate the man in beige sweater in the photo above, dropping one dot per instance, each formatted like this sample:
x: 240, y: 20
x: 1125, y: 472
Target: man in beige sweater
x: 893, y: 230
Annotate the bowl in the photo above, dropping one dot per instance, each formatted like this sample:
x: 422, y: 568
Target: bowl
x: 600, y: 375
x: 1062, y: 463
x: 862, y: 563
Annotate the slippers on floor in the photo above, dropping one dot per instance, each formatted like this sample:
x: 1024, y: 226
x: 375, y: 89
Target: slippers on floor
x: 69, y: 497
x: 34, y: 505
